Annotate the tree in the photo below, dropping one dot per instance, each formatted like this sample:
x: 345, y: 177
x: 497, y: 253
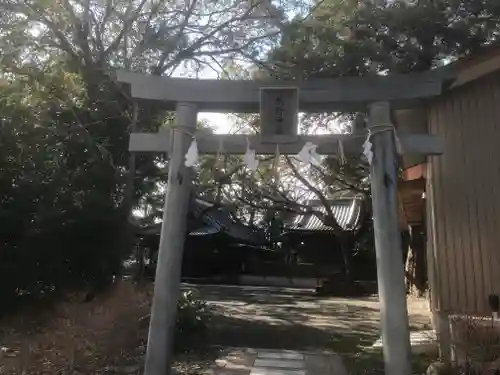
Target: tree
x: 357, y: 38
x: 59, y: 196
x: 148, y: 36
x: 57, y: 61
x: 362, y: 37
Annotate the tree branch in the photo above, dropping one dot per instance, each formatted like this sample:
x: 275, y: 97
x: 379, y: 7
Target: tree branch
x: 330, y: 220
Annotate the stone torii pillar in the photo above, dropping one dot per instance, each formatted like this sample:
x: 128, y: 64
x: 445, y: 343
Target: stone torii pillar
x: 172, y: 237
x: 390, y: 266
x: 279, y: 104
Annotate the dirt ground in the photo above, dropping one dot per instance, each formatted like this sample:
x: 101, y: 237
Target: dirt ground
x: 105, y: 336
x: 284, y: 318
x: 108, y: 335
x: 279, y: 318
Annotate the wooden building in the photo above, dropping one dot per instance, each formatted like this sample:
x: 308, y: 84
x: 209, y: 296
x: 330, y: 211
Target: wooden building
x: 457, y: 194
x: 313, y: 242
x: 208, y: 249
x: 207, y: 220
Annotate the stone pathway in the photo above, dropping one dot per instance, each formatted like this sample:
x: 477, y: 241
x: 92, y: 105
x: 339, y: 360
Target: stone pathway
x: 239, y: 361
x: 422, y: 342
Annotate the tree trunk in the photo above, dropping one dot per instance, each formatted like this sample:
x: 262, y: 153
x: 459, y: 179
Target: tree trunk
x: 128, y: 196
x: 139, y: 254
x: 346, y: 247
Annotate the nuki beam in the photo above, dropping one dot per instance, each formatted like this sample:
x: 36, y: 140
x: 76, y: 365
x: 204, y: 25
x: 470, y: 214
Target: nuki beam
x: 421, y: 144
x: 315, y: 95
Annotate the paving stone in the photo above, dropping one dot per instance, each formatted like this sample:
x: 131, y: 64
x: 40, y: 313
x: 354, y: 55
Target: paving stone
x: 237, y: 359
x: 280, y: 355
x: 233, y: 361
x: 280, y: 363
x: 275, y: 371
x: 227, y: 371
x: 324, y: 364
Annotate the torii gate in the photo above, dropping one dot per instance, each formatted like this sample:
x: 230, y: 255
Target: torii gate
x: 279, y: 103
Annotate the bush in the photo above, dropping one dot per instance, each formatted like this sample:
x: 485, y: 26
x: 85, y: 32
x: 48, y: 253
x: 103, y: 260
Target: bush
x: 475, y: 342
x: 82, y: 253
x: 193, y: 317
x: 61, y: 222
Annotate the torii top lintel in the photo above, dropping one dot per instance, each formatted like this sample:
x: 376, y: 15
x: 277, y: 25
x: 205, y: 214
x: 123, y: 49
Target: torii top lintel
x: 317, y: 95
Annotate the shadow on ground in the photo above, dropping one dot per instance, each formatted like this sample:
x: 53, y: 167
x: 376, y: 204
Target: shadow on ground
x: 281, y: 318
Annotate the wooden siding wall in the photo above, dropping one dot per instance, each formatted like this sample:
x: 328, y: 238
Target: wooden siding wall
x: 464, y: 185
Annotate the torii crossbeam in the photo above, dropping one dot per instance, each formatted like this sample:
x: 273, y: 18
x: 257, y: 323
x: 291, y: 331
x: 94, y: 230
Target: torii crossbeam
x: 279, y: 103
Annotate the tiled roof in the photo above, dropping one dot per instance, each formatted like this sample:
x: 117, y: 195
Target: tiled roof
x: 204, y: 231
x: 215, y: 220
x: 222, y: 221
x: 155, y: 229
x: 348, y: 212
